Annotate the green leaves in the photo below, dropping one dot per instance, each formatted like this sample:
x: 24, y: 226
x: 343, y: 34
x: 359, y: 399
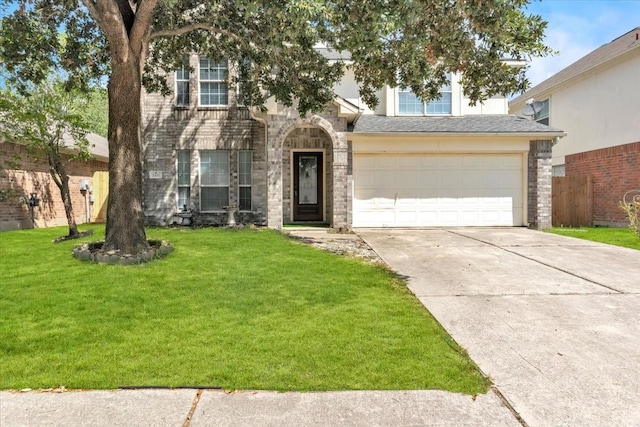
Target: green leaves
x: 408, y: 43
x: 44, y: 119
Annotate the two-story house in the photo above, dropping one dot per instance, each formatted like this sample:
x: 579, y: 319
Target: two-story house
x: 405, y: 163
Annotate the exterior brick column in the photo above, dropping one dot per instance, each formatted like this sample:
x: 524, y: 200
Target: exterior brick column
x: 539, y: 184
x: 274, y: 175
x: 340, y: 188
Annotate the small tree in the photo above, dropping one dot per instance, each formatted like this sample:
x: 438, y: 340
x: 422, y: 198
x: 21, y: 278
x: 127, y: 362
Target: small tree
x: 44, y: 123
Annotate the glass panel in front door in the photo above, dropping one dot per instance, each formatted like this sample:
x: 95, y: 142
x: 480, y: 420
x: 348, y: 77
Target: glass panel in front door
x: 308, y: 180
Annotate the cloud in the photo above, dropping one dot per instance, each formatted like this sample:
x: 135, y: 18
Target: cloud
x: 576, y: 28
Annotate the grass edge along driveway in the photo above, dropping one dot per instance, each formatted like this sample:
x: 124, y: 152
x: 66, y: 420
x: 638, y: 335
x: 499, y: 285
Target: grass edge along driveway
x: 624, y: 237
x: 237, y: 309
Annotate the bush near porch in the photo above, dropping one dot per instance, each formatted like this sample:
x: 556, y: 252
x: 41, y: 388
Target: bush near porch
x: 237, y: 309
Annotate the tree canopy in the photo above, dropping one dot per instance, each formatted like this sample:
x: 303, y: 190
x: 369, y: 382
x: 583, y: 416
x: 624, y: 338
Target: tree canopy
x: 406, y: 43
x: 398, y: 43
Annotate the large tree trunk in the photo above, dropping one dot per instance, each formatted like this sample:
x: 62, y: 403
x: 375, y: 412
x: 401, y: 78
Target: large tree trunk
x: 125, y: 218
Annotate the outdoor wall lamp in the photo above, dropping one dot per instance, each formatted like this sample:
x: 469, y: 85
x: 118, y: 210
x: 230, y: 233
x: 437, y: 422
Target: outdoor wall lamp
x: 84, y: 186
x: 33, y: 201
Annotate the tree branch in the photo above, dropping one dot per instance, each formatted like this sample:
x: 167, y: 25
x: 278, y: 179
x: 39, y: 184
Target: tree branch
x: 91, y: 7
x: 193, y: 27
x: 142, y: 24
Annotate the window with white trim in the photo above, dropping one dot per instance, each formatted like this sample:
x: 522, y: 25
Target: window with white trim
x: 182, y: 86
x: 214, y: 179
x: 244, y: 179
x: 543, y: 115
x: 409, y: 103
x: 184, y: 178
x: 214, y: 90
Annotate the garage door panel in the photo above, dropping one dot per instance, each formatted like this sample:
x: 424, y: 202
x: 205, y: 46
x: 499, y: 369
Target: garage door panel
x: 437, y: 190
x: 407, y: 178
x: 509, y: 178
x: 448, y: 179
x: 428, y: 179
x: 407, y: 162
x: 386, y: 162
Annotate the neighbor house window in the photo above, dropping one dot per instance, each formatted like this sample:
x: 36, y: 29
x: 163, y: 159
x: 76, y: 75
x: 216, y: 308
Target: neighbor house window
x: 543, y: 115
x: 214, y: 179
x: 182, y: 85
x: 214, y: 90
x: 244, y: 180
x: 409, y: 103
x: 184, y: 178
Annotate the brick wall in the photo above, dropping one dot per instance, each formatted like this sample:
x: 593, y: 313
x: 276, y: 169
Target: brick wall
x: 615, y: 170
x: 24, y: 174
x: 539, y: 184
x: 167, y: 128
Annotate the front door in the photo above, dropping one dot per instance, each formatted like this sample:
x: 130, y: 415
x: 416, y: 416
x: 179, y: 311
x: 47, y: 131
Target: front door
x: 307, y: 186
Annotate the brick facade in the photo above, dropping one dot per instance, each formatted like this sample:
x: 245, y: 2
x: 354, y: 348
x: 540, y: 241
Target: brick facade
x: 539, y: 184
x: 271, y: 138
x: 24, y: 175
x: 615, y: 170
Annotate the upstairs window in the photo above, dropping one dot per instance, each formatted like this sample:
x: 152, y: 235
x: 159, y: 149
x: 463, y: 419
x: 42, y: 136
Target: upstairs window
x: 409, y: 103
x: 182, y: 86
x: 214, y: 90
x: 543, y: 115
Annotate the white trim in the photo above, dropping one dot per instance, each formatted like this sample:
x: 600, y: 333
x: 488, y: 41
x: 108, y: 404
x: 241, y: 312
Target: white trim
x: 175, y: 86
x: 200, y: 80
x: 178, y: 186
x: 425, y: 105
x: 245, y: 186
x: 200, y: 186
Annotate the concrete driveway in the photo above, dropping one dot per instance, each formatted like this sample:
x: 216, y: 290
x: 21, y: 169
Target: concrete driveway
x: 554, y: 321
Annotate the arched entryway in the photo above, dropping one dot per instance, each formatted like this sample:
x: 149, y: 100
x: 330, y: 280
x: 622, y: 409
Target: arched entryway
x: 307, y: 190
x: 311, y: 184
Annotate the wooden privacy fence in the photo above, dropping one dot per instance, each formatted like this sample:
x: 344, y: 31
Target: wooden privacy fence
x: 572, y: 201
x: 100, y: 194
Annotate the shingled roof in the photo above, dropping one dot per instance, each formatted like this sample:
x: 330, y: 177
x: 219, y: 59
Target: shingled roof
x: 600, y: 56
x: 499, y: 124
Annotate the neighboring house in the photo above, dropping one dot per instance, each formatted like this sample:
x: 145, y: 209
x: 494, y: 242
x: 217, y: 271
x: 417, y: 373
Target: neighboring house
x: 403, y: 164
x: 596, y: 100
x: 21, y: 175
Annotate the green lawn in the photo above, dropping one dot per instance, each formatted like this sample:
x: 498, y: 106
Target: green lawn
x: 614, y: 236
x: 248, y: 309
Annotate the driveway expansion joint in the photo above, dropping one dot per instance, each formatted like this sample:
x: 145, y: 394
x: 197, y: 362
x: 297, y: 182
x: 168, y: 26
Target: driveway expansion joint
x: 508, y: 405
x: 194, y: 405
x: 504, y: 248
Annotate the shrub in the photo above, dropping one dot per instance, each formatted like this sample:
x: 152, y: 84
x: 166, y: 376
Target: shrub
x: 630, y: 203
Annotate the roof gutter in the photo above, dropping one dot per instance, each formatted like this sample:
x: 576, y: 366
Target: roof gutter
x: 543, y: 135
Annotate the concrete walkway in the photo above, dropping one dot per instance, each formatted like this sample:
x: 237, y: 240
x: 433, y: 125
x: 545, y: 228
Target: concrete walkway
x: 554, y: 321
x: 216, y: 408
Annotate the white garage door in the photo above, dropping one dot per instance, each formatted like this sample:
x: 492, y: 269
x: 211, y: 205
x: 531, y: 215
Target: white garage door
x: 425, y: 190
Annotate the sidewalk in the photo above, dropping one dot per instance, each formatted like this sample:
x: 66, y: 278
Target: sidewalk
x: 189, y: 407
